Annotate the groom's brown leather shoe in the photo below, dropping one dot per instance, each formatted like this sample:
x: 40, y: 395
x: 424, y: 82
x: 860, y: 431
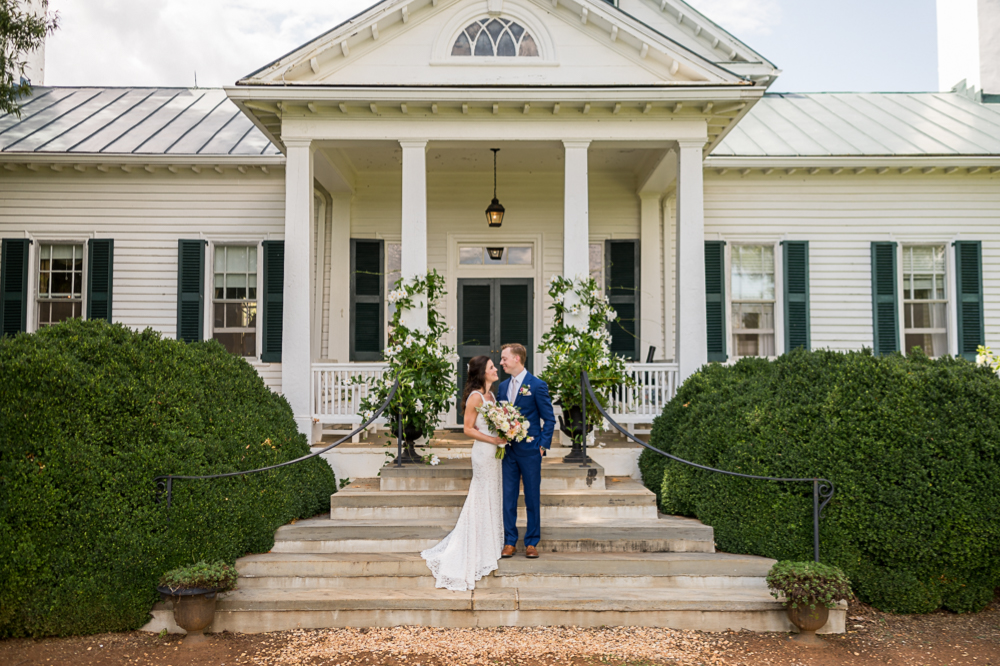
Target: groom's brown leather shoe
x: 508, y: 551
x: 530, y: 552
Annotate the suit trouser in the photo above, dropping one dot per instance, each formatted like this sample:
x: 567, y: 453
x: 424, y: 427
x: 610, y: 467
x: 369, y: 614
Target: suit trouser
x: 526, y: 466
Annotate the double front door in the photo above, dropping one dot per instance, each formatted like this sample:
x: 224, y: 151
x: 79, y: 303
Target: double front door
x: 492, y: 312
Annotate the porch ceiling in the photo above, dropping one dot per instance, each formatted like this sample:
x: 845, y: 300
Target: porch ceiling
x: 521, y: 157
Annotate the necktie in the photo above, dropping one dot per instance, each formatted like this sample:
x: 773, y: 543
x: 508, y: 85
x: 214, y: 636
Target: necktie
x: 512, y: 391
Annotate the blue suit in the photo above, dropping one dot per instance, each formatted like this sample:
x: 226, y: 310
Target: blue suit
x: 523, y: 460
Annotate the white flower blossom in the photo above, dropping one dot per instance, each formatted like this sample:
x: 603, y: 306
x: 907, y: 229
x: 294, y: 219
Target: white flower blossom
x: 435, y: 460
x: 611, y: 314
x: 419, y: 405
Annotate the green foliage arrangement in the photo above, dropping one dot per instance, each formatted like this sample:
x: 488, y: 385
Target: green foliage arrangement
x: 90, y: 413
x: 217, y: 576
x: 571, y: 350
x: 424, y: 365
x: 913, y: 446
x: 808, y: 584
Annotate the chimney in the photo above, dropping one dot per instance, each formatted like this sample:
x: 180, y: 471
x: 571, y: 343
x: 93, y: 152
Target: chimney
x: 989, y: 49
x: 34, y: 69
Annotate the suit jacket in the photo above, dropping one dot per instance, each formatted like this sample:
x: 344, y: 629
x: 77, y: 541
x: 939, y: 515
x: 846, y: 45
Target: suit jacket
x: 535, y: 404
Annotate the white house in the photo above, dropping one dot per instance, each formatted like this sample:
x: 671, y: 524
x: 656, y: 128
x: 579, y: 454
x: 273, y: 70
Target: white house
x: 637, y: 143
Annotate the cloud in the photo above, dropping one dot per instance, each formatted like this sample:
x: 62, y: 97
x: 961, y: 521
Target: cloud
x: 743, y: 18
x: 150, y: 42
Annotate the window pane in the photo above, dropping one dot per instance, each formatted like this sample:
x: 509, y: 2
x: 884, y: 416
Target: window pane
x: 470, y: 255
x: 219, y: 320
x: 462, y: 46
x: 753, y: 272
x: 252, y: 289
x: 43, y: 284
x: 528, y: 47
x: 63, y: 311
x: 505, y: 47
x: 519, y: 256
x: 923, y: 286
x: 241, y: 344
x: 753, y: 316
x: 489, y: 261
x: 252, y: 259
x: 62, y: 284
x: 220, y: 284
x: 220, y: 259
x: 236, y: 286
x: 484, y: 47
x: 746, y: 345
x: 236, y: 260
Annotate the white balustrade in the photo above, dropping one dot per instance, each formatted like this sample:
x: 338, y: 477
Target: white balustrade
x: 336, y: 399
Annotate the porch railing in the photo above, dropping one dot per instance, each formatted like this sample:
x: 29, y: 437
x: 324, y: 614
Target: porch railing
x: 335, y: 399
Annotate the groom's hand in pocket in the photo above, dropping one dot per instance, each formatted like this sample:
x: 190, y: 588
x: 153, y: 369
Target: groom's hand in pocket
x: 541, y: 449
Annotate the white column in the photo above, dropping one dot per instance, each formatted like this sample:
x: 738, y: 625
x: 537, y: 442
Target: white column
x: 669, y: 346
x: 576, y: 222
x: 650, y: 277
x: 340, y: 278
x: 296, y: 360
x: 692, y: 347
x: 414, y: 224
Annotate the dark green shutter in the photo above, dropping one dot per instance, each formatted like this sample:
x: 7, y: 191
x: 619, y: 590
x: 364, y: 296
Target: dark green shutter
x: 367, y: 299
x: 796, y: 270
x: 715, y: 299
x: 272, y: 299
x: 885, y: 302
x: 100, y: 277
x: 13, y: 285
x: 190, y: 289
x: 622, y: 280
x: 969, y: 274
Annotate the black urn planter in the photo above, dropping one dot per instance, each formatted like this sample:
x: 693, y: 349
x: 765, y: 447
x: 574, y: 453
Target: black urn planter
x: 571, y: 423
x: 409, y: 454
x: 194, y: 610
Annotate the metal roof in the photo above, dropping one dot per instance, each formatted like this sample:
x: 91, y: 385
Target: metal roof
x: 132, y: 121
x: 203, y: 121
x: 865, y: 124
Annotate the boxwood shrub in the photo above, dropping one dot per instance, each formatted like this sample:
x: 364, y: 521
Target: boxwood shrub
x: 90, y: 413
x: 913, y: 446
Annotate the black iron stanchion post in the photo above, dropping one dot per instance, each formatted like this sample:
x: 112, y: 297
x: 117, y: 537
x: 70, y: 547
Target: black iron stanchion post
x: 399, y: 438
x: 583, y: 427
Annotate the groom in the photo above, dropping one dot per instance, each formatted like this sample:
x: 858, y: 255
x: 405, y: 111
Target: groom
x: 523, y: 460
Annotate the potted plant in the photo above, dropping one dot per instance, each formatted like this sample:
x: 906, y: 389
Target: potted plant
x: 424, y: 366
x: 810, y: 590
x: 573, y: 349
x: 193, y: 591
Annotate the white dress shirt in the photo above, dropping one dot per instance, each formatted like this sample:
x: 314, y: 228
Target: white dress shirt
x: 515, y: 385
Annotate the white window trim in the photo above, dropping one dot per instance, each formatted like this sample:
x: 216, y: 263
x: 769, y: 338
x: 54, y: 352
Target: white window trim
x: 951, y: 309
x: 517, y: 10
x: 779, y: 305
x: 208, y: 329
x: 34, y: 260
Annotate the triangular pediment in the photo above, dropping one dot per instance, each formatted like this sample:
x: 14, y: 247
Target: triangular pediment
x: 573, y: 43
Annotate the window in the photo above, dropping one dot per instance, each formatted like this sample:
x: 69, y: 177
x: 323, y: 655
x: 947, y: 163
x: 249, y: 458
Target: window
x: 367, y: 299
x: 60, y: 283
x: 753, y: 300
x: 495, y: 37
x: 393, y: 270
x: 621, y: 258
x: 925, y: 301
x: 596, y: 262
x: 234, y: 299
x: 477, y: 255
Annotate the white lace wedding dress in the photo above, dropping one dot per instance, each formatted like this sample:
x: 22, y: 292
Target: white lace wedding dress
x: 472, y: 549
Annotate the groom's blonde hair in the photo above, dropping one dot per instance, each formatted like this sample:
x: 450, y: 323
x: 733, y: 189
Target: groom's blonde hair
x: 518, y: 350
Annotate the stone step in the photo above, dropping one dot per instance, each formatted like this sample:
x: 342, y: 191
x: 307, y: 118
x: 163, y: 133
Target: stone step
x: 626, y: 500
x: 388, y: 570
x: 456, y: 474
x: 256, y: 610
x: 665, y: 534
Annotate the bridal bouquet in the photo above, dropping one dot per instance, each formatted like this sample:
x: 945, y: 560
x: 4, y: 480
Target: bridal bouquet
x: 505, y: 421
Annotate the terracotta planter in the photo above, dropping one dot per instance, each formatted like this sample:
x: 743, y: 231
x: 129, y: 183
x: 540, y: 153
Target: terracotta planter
x: 194, y: 610
x: 808, y: 620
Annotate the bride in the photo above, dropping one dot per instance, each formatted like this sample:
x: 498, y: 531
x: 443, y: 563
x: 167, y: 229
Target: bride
x: 472, y: 549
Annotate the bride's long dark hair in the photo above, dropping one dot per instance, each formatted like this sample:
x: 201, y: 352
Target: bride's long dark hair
x: 477, y: 377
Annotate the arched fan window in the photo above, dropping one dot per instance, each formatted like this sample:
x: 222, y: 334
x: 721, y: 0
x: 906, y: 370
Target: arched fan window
x: 495, y: 37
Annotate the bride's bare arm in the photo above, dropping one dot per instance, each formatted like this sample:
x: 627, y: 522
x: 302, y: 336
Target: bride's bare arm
x: 476, y: 400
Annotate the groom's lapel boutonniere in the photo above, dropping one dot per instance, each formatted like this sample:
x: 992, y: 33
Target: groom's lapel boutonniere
x: 525, y: 391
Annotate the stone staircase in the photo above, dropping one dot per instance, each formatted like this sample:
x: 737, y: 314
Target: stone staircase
x: 607, y: 558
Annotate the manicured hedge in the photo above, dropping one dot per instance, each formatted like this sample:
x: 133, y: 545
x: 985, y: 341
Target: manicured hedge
x: 913, y: 446
x: 89, y: 414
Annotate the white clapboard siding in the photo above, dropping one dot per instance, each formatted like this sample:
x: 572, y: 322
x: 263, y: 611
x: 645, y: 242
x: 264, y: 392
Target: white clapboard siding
x: 146, y: 214
x: 841, y: 215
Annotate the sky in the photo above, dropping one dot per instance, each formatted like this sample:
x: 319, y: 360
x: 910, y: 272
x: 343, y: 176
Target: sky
x: 848, y: 45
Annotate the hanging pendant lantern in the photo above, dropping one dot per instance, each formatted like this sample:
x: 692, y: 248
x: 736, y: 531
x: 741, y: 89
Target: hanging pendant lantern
x: 494, y: 212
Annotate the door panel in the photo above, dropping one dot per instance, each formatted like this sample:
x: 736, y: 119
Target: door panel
x: 491, y: 313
